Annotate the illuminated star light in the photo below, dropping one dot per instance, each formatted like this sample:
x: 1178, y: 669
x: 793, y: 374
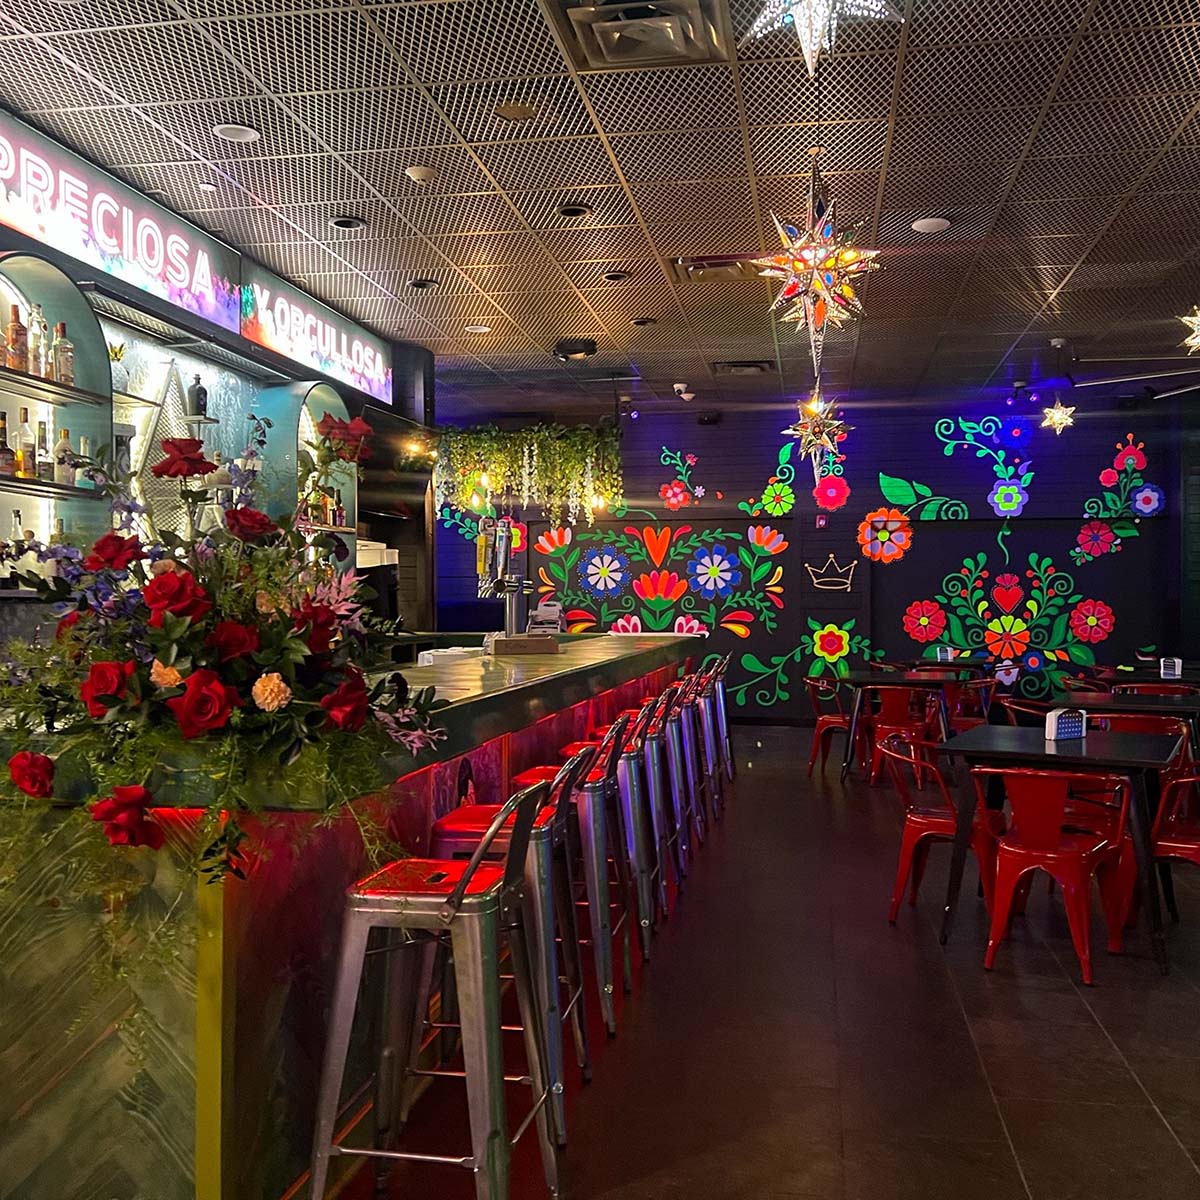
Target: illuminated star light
x: 815, y: 22
x: 1192, y: 341
x: 818, y: 429
x: 1058, y: 418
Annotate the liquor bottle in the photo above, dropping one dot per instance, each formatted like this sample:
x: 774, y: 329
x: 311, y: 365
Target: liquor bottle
x: 62, y: 351
x: 64, y: 459
x: 197, y: 398
x: 16, y: 547
x: 8, y: 457
x: 17, y: 341
x: 39, y: 342
x: 339, y: 513
x: 85, y: 452
x: 26, y: 448
x: 57, y: 538
x: 326, y: 509
x: 45, y: 464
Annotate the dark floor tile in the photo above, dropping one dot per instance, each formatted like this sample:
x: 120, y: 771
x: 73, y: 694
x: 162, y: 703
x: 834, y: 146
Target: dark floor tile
x: 1089, y: 1151
x: 1173, y: 1084
x: 931, y: 1168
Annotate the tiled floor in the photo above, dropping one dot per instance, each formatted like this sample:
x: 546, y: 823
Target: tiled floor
x: 786, y: 1042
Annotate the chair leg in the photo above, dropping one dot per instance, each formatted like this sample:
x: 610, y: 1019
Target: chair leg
x: 355, y: 929
x: 1008, y: 877
x: 590, y: 806
x: 920, y: 858
x: 633, y: 807
x: 477, y: 964
x: 1167, y: 884
x: 1112, y: 899
x: 818, y: 738
x: 985, y: 855
x: 1077, y: 901
x: 876, y: 761
x: 908, y: 843
x: 568, y: 930
x: 656, y: 803
x: 400, y: 1026
x: 677, y: 782
x: 430, y: 955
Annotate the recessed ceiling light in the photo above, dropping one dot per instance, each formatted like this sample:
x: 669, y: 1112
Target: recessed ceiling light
x: 157, y: 193
x: 236, y: 133
x: 575, y: 210
x: 645, y: 320
x: 931, y: 225
x: 477, y: 329
x: 516, y: 111
x: 616, y: 276
x: 347, y: 221
x: 207, y: 185
x: 422, y: 285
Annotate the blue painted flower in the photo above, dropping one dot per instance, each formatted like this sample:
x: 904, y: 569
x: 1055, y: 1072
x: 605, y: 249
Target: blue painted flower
x: 1015, y: 432
x: 714, y: 571
x: 1148, y: 500
x: 1033, y: 661
x: 603, y: 572
x: 1007, y: 498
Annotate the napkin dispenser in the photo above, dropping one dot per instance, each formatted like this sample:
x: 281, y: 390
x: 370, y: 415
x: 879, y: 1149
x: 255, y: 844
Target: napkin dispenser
x: 547, y: 617
x: 943, y: 653
x: 1170, y: 668
x: 1066, y: 724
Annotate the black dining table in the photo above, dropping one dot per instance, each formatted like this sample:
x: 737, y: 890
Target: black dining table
x: 1151, y: 673
x: 1137, y: 756
x: 1185, y: 708
x: 968, y: 666
x: 860, y: 682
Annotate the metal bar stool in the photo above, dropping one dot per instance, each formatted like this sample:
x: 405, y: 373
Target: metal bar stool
x: 721, y: 709
x: 601, y: 841
x: 474, y: 905
x: 710, y: 743
x: 549, y: 914
x: 699, y: 778
x: 667, y: 805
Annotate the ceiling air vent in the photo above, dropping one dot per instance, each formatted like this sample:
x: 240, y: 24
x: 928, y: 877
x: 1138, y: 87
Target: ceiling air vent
x: 714, y: 268
x: 645, y: 33
x: 747, y: 367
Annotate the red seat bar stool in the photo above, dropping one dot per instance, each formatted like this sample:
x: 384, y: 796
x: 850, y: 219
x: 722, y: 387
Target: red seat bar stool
x: 822, y: 692
x: 1045, y: 834
x: 929, y: 822
x: 601, y: 841
x: 550, y: 917
x: 474, y: 906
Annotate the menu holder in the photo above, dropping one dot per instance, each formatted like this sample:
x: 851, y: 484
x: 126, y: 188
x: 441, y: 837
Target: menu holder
x: 1066, y: 725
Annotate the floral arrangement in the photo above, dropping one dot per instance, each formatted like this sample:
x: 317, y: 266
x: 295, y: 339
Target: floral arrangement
x: 212, y: 669
x: 1113, y: 516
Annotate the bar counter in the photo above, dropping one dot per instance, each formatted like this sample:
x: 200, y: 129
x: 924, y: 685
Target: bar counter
x: 196, y: 1075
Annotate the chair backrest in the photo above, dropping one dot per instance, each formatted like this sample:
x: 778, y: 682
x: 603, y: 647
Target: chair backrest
x: 564, y: 786
x: 1155, y: 723
x: 905, y: 756
x: 1178, y: 810
x: 895, y: 703
x: 883, y: 667
x: 1082, y: 687
x: 824, y: 691
x: 608, y: 753
x: 972, y: 697
x: 1041, y: 802
x: 1155, y: 689
x: 1027, y: 713
x: 526, y: 804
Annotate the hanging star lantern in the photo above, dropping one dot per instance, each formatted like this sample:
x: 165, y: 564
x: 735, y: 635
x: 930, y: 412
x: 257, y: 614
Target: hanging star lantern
x: 818, y: 429
x: 1058, y: 418
x: 815, y: 22
x: 819, y: 266
x: 1192, y: 341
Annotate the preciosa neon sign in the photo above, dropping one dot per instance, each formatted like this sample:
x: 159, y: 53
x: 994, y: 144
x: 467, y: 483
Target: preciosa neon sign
x: 52, y: 196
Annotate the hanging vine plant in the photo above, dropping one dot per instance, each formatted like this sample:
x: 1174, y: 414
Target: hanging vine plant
x: 563, y: 471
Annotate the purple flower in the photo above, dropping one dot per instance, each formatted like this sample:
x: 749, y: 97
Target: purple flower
x: 1148, y: 501
x: 1007, y: 498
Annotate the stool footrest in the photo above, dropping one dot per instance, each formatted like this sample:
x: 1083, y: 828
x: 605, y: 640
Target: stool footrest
x: 446, y: 1073
x: 404, y: 1156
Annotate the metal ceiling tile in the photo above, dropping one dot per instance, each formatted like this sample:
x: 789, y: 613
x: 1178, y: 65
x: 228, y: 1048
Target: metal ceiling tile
x: 596, y: 245
x: 961, y: 136
x: 609, y: 205
x: 1136, y: 123
x: 1079, y: 175
x: 481, y: 212
x: 780, y: 92
x: 730, y: 237
x: 1134, y: 62
x: 1129, y: 14
x: 370, y: 118
x: 492, y: 249
x: 117, y: 135
x: 787, y: 195
x: 995, y: 20
x: 536, y: 273
x: 690, y: 200
x: 525, y: 166
x: 849, y: 146
x: 297, y: 180
x: 684, y: 97
x: 642, y: 271
x: 645, y: 157
x: 966, y: 225
x: 966, y: 75
x: 32, y: 78
x: 557, y: 108
x: 1177, y: 171
x: 457, y: 171
x: 953, y: 185
x: 33, y: 16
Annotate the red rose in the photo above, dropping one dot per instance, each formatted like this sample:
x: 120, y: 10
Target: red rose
x: 330, y: 427
x: 347, y: 704
x: 113, y: 551
x: 124, y: 817
x: 105, y: 679
x: 319, y: 620
x: 232, y: 639
x: 32, y: 773
x: 247, y: 524
x: 185, y: 457
x: 354, y: 435
x: 205, y: 704
x: 175, y: 592
x: 68, y: 622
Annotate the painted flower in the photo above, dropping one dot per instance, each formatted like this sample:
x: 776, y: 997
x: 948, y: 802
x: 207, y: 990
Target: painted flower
x: 698, y: 491
x: 831, y: 493
x: 1034, y: 661
x: 1096, y: 538
x: 1007, y: 498
x: 714, y: 571
x: 675, y: 495
x: 774, y: 588
x: 778, y: 499
x: 924, y: 621
x: 763, y: 537
x: 1129, y: 455
x: 885, y: 535
x: 831, y: 643
x: 1007, y: 672
x: 603, y: 572
x: 690, y: 459
x: 579, y: 620
x: 1092, y: 620
x: 1015, y: 432
x: 1109, y: 477
x: 520, y: 535
x: 738, y: 622
x: 1148, y: 500
x: 659, y: 588
x: 1006, y: 636
x: 689, y: 625
x: 553, y: 540
x: 1007, y: 592
x: 629, y: 624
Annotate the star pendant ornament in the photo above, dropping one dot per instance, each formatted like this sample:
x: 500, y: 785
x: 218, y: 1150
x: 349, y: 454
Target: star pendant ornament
x: 1058, y: 418
x: 1192, y: 341
x: 815, y: 22
x: 818, y: 429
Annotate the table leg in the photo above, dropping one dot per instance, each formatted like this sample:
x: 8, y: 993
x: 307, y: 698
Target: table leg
x: 964, y: 803
x: 852, y: 732
x: 1139, y: 831
x: 944, y: 713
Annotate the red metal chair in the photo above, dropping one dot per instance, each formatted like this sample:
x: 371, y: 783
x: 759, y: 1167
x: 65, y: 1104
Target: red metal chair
x: 1044, y: 835
x: 969, y: 702
x: 821, y: 694
x: 925, y: 823
x: 1155, y: 689
x: 900, y: 710
x: 1027, y: 713
x: 1080, y: 690
x: 1176, y: 831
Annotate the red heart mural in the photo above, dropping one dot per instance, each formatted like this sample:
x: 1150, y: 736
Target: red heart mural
x: 1007, y: 593
x: 657, y: 541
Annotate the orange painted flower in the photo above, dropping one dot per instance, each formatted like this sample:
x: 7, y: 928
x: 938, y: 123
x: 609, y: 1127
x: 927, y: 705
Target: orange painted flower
x: 579, y: 620
x: 774, y: 588
x: 1006, y: 636
x: 738, y: 622
x: 545, y: 587
x: 659, y: 588
x: 766, y: 539
x: 885, y: 535
x: 553, y: 539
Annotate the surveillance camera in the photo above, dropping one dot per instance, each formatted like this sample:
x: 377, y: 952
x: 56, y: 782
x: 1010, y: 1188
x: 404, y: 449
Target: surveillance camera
x: 421, y: 174
x: 687, y: 395
x: 680, y: 388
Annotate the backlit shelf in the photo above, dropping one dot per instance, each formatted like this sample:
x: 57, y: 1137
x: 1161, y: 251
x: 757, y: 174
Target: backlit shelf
x: 46, y: 391
x: 51, y: 491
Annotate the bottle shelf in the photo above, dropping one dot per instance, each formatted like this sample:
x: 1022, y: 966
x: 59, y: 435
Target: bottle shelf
x: 309, y: 527
x: 201, y: 421
x: 134, y: 401
x: 45, y: 391
x: 52, y: 491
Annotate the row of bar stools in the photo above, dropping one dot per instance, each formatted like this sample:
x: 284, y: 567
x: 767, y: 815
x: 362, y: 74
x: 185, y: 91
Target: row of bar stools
x: 550, y: 915
x: 474, y: 905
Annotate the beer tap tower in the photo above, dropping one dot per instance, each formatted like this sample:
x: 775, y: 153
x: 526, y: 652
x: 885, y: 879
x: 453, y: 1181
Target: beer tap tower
x: 497, y: 578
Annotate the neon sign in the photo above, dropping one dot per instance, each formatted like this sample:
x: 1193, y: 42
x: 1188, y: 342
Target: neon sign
x: 282, y: 318
x: 52, y: 195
